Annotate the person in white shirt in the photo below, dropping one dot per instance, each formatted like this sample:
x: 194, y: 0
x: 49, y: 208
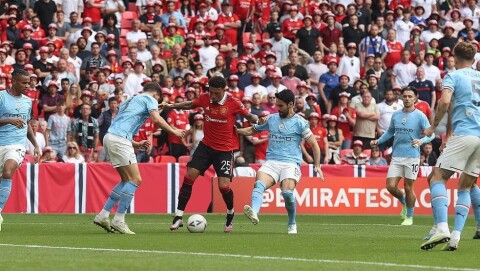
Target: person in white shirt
x: 142, y: 53
x: 403, y: 28
x: 404, y: 71
x: 135, y: 34
x: 69, y: 6
x: 74, y: 59
x: 207, y: 54
x: 428, y: 6
x: 280, y: 45
x: 133, y: 83
x: 39, y: 137
x: 431, y: 33
x: 270, y: 58
x: 255, y: 87
x: 350, y: 64
x: 316, y: 69
x: 276, y: 86
x: 432, y: 73
x: 387, y: 107
x: 472, y: 11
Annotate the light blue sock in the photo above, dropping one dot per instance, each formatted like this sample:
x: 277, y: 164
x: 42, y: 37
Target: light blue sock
x: 5, y: 188
x: 114, y: 197
x: 410, y: 212
x: 402, y: 200
x: 475, y: 198
x: 438, y: 195
x: 461, y: 209
x: 290, y: 205
x: 257, y: 196
x: 126, y: 197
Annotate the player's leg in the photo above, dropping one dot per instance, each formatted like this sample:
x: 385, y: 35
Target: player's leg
x: 290, y: 176
x: 475, y: 198
x: 222, y: 163
x: 395, y: 173
x: 410, y: 200
x: 266, y: 177
x: 433, y: 230
x: 102, y: 219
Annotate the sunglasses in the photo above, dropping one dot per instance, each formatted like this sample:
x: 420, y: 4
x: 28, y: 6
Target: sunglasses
x: 72, y: 148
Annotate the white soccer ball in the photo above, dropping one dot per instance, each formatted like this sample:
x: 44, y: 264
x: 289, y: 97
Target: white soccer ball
x: 196, y: 224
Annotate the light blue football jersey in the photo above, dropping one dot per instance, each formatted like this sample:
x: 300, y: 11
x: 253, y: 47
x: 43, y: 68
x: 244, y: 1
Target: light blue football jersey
x: 406, y: 127
x: 132, y: 113
x: 14, y: 107
x: 465, y: 84
x: 285, y: 137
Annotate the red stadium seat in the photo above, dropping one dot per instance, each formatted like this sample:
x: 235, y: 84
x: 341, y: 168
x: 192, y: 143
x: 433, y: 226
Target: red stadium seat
x: 165, y: 159
x: 345, y: 151
x: 130, y: 15
x: 132, y: 7
x: 123, y: 33
x: 184, y: 159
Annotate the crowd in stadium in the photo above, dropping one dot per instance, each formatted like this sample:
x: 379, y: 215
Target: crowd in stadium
x: 346, y: 61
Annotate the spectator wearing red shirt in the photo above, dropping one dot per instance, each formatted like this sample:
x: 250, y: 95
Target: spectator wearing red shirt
x: 93, y: 10
x: 225, y: 41
x: 230, y: 21
x: 201, y: 16
x: 217, y: 146
x: 320, y: 135
x: 34, y: 94
x: 331, y: 34
x: 346, y: 117
x: 38, y: 33
x: 425, y: 108
x: 395, y: 48
x: 178, y: 119
x: 233, y: 87
x: 145, y: 133
x: 291, y: 25
x: 52, y: 31
x: 260, y: 141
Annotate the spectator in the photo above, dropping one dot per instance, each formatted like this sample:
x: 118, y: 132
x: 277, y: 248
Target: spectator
x: 45, y: 10
x: 133, y: 83
x: 195, y: 134
x: 180, y: 69
x: 347, y: 118
x: 356, y: 157
x: 321, y: 136
x: 38, y: 136
x: 308, y: 37
x: 430, y: 156
x: 432, y: 32
x: 135, y: 34
x: 335, y: 140
x: 334, y: 97
x: 73, y: 154
x: 373, y: 44
x: 255, y: 87
x: 367, y: 117
x: 242, y: 169
x: 207, y: 54
x: 85, y: 132
x: 425, y: 88
x: 57, y: 127
x: 280, y: 46
x: 386, y: 109
x: 219, y: 68
x: 276, y: 85
x: 373, y: 87
x: 271, y: 105
x: 404, y: 71
x: 394, y: 54
x: 352, y: 33
x: 403, y: 27
x: 376, y: 159
x: 50, y: 99
x: 178, y: 119
x: 330, y: 34
x: 350, y: 64
x: 231, y: 23
x: 106, y: 117
x: 300, y: 71
x: 48, y: 156
x: 260, y: 141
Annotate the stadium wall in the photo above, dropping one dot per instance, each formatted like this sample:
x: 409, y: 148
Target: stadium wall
x: 83, y: 188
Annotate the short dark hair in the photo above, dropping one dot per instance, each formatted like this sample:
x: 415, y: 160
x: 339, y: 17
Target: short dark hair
x: 152, y: 86
x: 217, y: 82
x: 60, y: 102
x: 286, y: 96
x: 19, y: 72
x: 409, y: 88
x: 112, y: 99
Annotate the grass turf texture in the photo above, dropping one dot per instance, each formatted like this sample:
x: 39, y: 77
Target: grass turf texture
x: 67, y: 242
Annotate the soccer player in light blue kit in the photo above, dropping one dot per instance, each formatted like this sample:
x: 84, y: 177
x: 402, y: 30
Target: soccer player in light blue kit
x: 118, y: 142
x: 15, y: 111
x: 406, y: 126
x: 461, y: 89
x: 284, y: 156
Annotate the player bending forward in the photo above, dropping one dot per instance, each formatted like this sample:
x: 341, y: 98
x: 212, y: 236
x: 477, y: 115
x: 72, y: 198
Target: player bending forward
x: 406, y: 125
x: 284, y: 156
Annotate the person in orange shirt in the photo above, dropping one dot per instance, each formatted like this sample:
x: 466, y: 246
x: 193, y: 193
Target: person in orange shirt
x: 320, y: 135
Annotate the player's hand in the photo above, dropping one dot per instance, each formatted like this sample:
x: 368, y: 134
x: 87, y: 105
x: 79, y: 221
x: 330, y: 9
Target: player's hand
x: 416, y: 143
x: 318, y: 169
x: 374, y: 143
x: 262, y: 120
x: 429, y: 131
x: 17, y: 122
x: 442, y: 146
x: 165, y: 105
x: 36, y: 154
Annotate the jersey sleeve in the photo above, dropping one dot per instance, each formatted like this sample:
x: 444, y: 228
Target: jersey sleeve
x: 424, y: 122
x: 264, y: 126
x: 199, y: 102
x: 240, y: 108
x: 151, y: 103
x: 448, y: 82
x: 305, y: 129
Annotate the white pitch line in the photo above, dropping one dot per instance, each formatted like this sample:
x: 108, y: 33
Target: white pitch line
x: 273, y: 258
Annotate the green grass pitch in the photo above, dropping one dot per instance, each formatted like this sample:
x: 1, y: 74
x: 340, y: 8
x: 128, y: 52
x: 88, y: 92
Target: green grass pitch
x: 72, y: 242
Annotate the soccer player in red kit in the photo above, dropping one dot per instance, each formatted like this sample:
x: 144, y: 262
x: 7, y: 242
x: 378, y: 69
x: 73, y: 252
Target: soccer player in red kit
x: 217, y: 146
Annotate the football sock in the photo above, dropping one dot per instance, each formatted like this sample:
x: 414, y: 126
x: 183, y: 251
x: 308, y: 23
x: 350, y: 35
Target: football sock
x: 257, y: 196
x: 410, y: 212
x: 185, y: 193
x: 126, y: 197
x: 113, y: 199
x: 402, y: 199
x: 438, y: 194
x: 5, y: 189
x: 461, y: 209
x: 290, y: 205
x: 475, y: 198
x: 227, y: 195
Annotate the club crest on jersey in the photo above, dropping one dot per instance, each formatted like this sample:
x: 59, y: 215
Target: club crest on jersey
x: 17, y: 106
x: 281, y: 126
x: 223, y: 110
x: 404, y: 120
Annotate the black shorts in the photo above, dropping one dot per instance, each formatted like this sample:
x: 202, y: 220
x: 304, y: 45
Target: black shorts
x: 204, y: 157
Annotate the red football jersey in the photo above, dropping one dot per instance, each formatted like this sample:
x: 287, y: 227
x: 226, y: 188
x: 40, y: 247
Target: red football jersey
x: 343, y: 123
x: 242, y: 7
x: 290, y: 27
x: 177, y: 119
x: 425, y: 108
x: 219, y: 121
x: 145, y: 130
x: 394, y: 54
x: 231, y: 33
x: 320, y: 133
x: 261, y: 149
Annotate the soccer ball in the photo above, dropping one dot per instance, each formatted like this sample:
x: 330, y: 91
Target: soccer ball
x: 196, y: 224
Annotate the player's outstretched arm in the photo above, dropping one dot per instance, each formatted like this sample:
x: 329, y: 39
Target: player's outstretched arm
x: 160, y: 122
x: 183, y: 106
x: 33, y: 140
x: 246, y: 131
x: 316, y: 155
x: 442, y: 107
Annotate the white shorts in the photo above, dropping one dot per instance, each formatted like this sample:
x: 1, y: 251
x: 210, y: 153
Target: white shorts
x: 461, y: 153
x: 11, y: 152
x: 120, y: 150
x: 403, y: 167
x: 280, y: 171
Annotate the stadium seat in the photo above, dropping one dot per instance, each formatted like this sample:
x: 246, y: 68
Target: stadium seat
x: 130, y: 15
x: 132, y: 7
x: 124, y: 32
x: 345, y: 151
x: 165, y: 159
x: 184, y: 159
x: 368, y: 152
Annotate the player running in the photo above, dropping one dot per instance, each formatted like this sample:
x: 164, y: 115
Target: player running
x: 284, y: 156
x: 460, y: 88
x: 406, y: 127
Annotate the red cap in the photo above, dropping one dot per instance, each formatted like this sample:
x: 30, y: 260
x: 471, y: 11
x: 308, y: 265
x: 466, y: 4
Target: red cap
x: 233, y: 77
x: 314, y: 115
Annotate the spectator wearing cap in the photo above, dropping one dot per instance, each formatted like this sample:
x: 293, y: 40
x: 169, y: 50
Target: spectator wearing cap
x: 418, y: 15
x: 48, y: 102
x: 404, y: 71
x: 368, y: 115
x: 280, y: 45
x: 201, y: 15
x: 403, y: 27
x: 320, y: 135
x: 308, y: 37
x: 133, y: 83
x: 472, y: 12
x: 350, y: 64
x: 390, y: 104
x: 331, y: 34
x: 463, y: 34
x: 244, y: 77
x: 45, y: 11
x: 455, y: 23
x: 346, y: 117
x: 12, y: 32
x: 95, y: 60
x: 343, y: 86
x: 190, y: 51
x: 425, y: 87
x: 85, y: 131
x: 352, y: 33
x: 373, y: 44
x: 233, y: 89
x: 449, y: 40
x: 356, y: 157
x: 42, y: 67
x: 27, y: 38
x: 109, y: 46
x: 207, y: 54
x: 172, y: 12
x: 432, y: 32
x: 173, y: 37
x: 52, y: 38
x: 231, y: 23
x: 149, y: 20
